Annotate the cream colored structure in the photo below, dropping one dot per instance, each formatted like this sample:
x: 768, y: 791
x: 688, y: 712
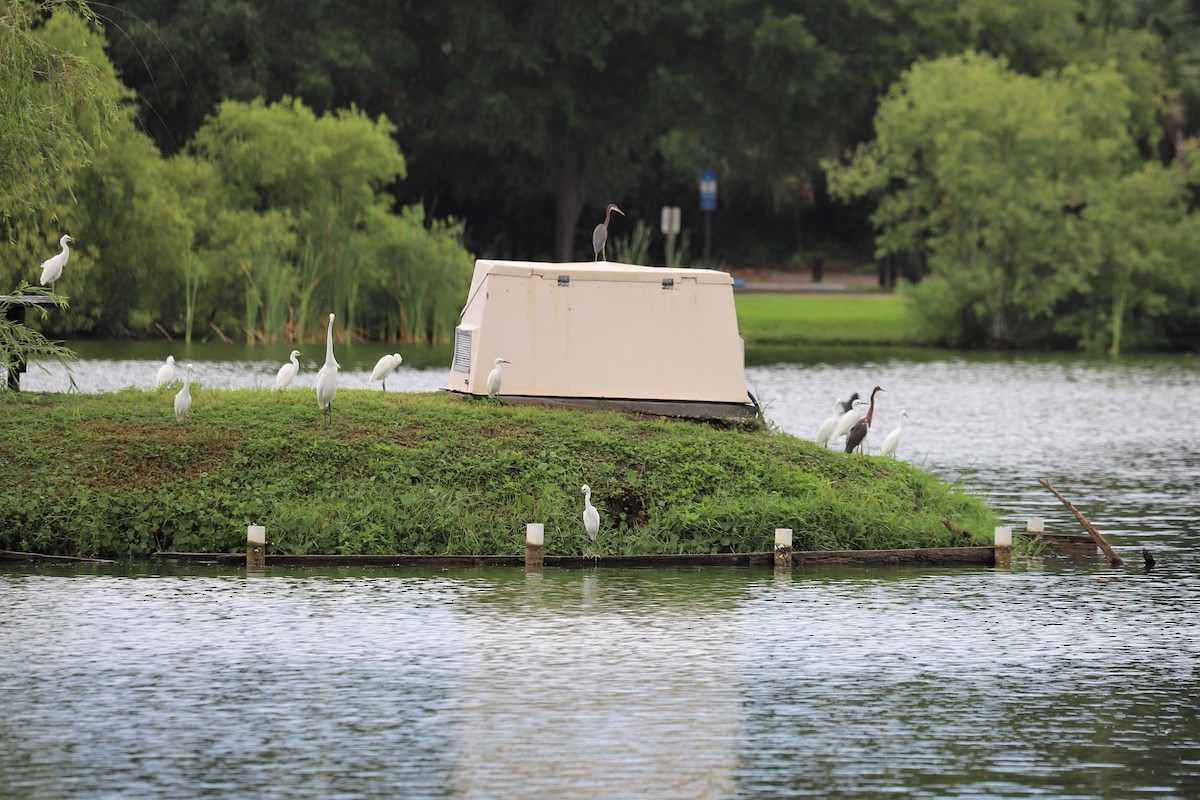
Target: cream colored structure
x: 601, y: 330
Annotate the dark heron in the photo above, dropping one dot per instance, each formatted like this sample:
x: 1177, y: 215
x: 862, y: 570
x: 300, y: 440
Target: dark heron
x: 600, y: 234
x: 858, y: 433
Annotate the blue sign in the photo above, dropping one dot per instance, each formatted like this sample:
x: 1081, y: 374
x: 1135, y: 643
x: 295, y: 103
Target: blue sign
x: 708, y: 190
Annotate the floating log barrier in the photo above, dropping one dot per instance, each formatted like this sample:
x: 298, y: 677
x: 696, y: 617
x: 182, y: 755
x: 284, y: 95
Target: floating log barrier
x: 17, y: 555
x: 1091, y: 529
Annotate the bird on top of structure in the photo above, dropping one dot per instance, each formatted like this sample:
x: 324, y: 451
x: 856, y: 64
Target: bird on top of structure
x: 52, y: 268
x: 166, y: 373
x: 858, y: 434
x: 600, y: 233
x: 287, y: 373
x: 386, y: 366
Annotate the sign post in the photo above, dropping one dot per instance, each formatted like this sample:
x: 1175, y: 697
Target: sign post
x: 708, y: 204
x: 670, y: 227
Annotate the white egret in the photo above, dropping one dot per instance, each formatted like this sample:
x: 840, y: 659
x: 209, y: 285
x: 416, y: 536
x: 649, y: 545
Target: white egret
x: 591, y: 517
x: 52, y: 268
x: 826, y: 429
x: 386, y: 366
x: 846, y: 405
x: 858, y: 434
x: 495, y: 376
x: 600, y: 233
x: 892, y: 440
x: 166, y: 373
x: 288, y: 371
x: 183, y: 400
x: 327, y: 377
x: 847, y: 420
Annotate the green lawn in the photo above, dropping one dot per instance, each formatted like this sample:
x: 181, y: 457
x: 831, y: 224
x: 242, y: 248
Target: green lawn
x: 825, y: 319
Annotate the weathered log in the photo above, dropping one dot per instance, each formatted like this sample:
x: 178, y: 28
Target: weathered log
x: 1087, y: 526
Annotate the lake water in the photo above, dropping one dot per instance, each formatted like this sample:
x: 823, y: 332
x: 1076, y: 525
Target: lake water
x: 1058, y: 678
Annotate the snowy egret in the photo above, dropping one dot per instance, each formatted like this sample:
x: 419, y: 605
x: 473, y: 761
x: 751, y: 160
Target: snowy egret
x: 892, y: 440
x: 183, y: 400
x: 166, y: 373
x: 858, y: 434
x: 327, y: 377
x: 846, y: 405
x: 826, y: 429
x: 386, y: 366
x: 600, y: 234
x: 591, y: 517
x: 52, y: 268
x: 495, y: 376
x: 847, y: 420
x: 288, y: 371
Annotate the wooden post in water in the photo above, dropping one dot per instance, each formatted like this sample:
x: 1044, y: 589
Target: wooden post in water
x: 256, y: 548
x: 783, y: 548
x: 535, y: 537
x: 1035, y: 525
x: 1003, y: 546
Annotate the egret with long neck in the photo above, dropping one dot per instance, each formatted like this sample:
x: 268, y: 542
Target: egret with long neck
x: 327, y: 377
x: 858, y: 434
x: 183, y: 400
x: 892, y: 440
x: 52, y: 268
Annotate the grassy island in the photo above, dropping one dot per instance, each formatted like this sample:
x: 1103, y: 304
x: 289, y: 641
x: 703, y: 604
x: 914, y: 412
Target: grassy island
x: 115, y: 475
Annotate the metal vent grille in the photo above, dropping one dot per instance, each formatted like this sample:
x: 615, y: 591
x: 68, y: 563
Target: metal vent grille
x: 668, y: 283
x: 462, y: 349
x: 564, y: 280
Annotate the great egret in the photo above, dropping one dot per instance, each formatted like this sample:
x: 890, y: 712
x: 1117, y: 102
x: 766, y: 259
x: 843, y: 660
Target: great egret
x: 591, y: 517
x: 166, y: 373
x: 327, y: 377
x: 495, y: 376
x: 858, y: 434
x: 183, y: 400
x: 288, y: 371
x: 847, y: 420
x: 826, y: 429
x: 52, y: 268
x: 386, y: 366
x: 892, y: 440
x: 600, y: 233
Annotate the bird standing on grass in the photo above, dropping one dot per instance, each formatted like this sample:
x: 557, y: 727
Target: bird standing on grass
x: 858, y: 434
x: 495, y: 377
x: 288, y: 371
x: 386, y: 366
x: 847, y: 420
x: 52, y: 268
x: 600, y: 233
x: 183, y: 400
x: 846, y: 405
x: 327, y: 377
x: 591, y: 517
x: 166, y: 373
x: 826, y: 429
x: 892, y: 440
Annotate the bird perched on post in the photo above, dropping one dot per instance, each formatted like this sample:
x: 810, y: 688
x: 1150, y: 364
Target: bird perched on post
x: 52, y: 268
x: 166, y: 373
x: 495, y: 377
x: 591, y: 517
x: 600, y: 233
x: 858, y: 434
x: 892, y: 440
x: 288, y: 371
x: 183, y: 400
x: 386, y: 366
x: 327, y: 377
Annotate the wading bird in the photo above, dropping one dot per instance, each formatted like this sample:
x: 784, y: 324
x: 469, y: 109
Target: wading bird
x: 847, y: 420
x: 826, y: 429
x: 858, y: 434
x: 495, y: 377
x: 288, y: 371
x: 52, y: 268
x: 327, y: 377
x: 183, y: 400
x: 166, y: 373
x: 892, y: 440
x: 600, y: 233
x: 384, y: 367
x: 846, y: 405
x: 591, y: 517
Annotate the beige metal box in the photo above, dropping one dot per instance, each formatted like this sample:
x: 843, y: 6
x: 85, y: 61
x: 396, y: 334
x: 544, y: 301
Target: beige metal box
x: 604, y: 331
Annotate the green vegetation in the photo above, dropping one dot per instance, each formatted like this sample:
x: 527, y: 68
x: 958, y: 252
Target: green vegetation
x: 826, y: 319
x: 115, y: 475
